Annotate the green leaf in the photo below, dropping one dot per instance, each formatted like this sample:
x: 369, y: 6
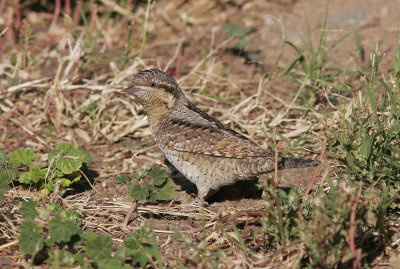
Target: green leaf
x: 99, y: 247
x: 132, y: 240
x: 68, y: 165
x: 142, y: 233
x: 158, y: 175
x: 131, y: 243
x: 367, y: 146
x: 111, y: 263
x: 145, y: 167
x: 139, y: 193
x: 137, y: 175
x: 4, y: 188
x: 34, y: 175
x: 3, y: 158
x: 65, y: 258
x: 7, y: 175
x: 61, y: 150
x: 62, y: 231
x: 48, y: 129
x: 235, y: 30
x: 31, y: 238
x: 84, y: 156
x: 68, y: 151
x: 121, y: 179
x: 141, y: 257
x: 242, y: 45
x: 137, y: 246
x: 153, y: 197
x: 21, y: 157
x: 28, y: 210
x: 166, y: 190
x: 13, y: 59
x: 52, y: 207
x: 70, y: 215
x: 65, y: 182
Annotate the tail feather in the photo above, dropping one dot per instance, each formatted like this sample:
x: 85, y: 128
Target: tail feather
x: 295, y: 163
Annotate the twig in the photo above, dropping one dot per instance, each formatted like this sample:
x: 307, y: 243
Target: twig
x: 352, y: 230
x: 130, y: 213
x: 118, y: 9
x: 56, y: 14
x: 13, y: 243
x: 177, y: 54
x: 91, y: 185
x: 275, y: 194
x: 276, y: 180
x: 321, y: 156
x: 144, y: 31
x: 56, y: 191
x: 37, y: 83
x: 210, y: 53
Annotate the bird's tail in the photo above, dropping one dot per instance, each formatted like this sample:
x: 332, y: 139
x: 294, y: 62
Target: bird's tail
x: 295, y: 163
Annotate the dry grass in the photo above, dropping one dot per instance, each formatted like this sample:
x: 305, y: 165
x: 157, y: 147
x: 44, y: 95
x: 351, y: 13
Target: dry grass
x: 60, y: 81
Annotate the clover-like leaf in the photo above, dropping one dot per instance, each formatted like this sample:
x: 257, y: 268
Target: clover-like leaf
x: 235, y: 30
x: 28, y: 210
x: 52, y: 207
x: 139, y: 193
x: 63, y: 149
x: 62, y: 231
x: 21, y: 157
x: 111, y: 263
x: 121, y: 179
x: 64, y: 181
x: 31, y: 238
x: 141, y: 257
x: 166, y: 190
x: 137, y: 175
x: 84, y: 156
x: 3, y: 158
x: 34, y: 175
x: 99, y: 247
x: 6, y: 174
x: 158, y: 175
x: 4, y: 188
x: 131, y: 243
x: 69, y: 151
x: 68, y: 165
x: 65, y: 258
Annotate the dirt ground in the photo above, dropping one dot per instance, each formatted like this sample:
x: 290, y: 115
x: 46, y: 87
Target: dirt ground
x: 182, y: 33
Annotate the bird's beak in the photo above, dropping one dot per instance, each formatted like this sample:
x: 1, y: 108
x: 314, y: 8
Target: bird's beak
x: 131, y: 89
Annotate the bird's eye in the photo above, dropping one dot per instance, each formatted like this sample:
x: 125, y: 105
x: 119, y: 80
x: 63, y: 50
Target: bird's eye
x: 153, y: 84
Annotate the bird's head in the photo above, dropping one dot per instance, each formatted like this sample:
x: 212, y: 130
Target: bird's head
x: 157, y: 92
x: 155, y: 89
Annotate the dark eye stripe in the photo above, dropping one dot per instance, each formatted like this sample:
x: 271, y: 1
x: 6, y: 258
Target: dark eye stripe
x: 172, y: 89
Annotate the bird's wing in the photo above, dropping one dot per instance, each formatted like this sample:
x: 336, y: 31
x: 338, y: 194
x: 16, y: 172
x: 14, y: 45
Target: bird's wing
x: 195, y: 131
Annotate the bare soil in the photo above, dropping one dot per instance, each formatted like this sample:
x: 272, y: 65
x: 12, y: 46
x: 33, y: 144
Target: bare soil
x: 224, y: 80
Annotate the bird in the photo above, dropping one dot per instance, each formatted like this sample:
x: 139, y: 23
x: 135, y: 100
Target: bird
x: 206, y: 151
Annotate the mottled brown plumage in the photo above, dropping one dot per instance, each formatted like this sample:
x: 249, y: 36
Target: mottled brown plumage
x: 206, y: 151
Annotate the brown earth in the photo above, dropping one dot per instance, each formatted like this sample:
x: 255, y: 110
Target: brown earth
x: 184, y: 32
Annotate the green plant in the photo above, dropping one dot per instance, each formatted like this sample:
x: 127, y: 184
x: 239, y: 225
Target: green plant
x: 242, y: 46
x: 315, y: 75
x: 67, y: 245
x: 369, y: 141
x: 61, y: 229
x: 153, y: 184
x: 65, y: 165
x: 90, y: 40
x: 7, y: 174
x: 236, y: 31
